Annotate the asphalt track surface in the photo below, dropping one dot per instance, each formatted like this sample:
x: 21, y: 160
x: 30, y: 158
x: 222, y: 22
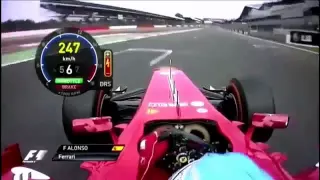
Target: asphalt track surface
x: 31, y: 115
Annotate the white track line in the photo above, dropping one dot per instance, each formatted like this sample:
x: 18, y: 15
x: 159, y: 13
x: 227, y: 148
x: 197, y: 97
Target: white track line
x: 30, y: 45
x: 160, y: 58
x: 12, y: 63
x: 165, y: 53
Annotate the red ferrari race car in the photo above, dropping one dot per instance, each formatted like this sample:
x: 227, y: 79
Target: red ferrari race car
x: 172, y: 123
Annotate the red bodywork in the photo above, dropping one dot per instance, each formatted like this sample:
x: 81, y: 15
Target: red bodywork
x: 159, y: 91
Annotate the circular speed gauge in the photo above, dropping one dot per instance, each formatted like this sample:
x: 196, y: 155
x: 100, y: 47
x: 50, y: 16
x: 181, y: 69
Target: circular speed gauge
x: 67, y: 61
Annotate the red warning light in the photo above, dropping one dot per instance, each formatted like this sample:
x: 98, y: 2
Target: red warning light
x: 107, y: 64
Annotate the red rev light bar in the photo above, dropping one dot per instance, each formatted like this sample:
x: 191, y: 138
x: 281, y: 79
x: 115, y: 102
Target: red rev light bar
x: 108, y: 63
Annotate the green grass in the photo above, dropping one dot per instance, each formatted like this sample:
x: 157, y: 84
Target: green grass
x: 18, y: 56
x: 314, y: 49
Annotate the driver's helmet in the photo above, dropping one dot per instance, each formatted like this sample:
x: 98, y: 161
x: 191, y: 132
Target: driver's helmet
x: 229, y: 166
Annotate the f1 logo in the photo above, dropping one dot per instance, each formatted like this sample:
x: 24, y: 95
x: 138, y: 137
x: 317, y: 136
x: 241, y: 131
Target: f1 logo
x: 23, y: 173
x: 34, y: 155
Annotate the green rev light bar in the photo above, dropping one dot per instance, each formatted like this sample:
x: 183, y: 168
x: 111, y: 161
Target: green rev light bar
x: 68, y: 80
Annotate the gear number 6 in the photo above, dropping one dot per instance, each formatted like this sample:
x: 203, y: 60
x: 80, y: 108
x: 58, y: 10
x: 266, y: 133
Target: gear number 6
x: 68, y: 70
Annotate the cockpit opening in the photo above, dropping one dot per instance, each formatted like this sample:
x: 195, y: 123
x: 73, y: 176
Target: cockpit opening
x: 205, y: 130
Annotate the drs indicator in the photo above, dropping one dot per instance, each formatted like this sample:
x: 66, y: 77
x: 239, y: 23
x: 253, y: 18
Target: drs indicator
x: 105, y: 81
x: 108, y: 63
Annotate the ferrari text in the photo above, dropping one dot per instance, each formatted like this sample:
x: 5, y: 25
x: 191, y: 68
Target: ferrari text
x: 66, y: 157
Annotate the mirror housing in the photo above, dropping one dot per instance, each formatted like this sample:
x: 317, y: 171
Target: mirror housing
x: 274, y: 121
x: 92, y: 125
x: 10, y: 158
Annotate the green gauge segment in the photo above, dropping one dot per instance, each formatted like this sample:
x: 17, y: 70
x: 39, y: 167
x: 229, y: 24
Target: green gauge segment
x: 69, y: 80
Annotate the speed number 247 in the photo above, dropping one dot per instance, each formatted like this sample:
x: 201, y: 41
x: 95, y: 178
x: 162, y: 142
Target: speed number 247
x: 70, y: 47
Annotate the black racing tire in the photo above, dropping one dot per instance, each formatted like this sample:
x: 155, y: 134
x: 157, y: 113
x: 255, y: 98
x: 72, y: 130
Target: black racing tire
x: 82, y: 106
x: 252, y: 96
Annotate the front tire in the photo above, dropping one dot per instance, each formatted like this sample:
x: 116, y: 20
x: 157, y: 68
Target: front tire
x: 252, y: 96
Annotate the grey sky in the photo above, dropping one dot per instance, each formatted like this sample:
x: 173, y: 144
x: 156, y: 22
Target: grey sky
x: 19, y: 9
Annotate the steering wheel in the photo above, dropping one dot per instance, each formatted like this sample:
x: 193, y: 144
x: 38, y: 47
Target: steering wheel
x: 184, y: 148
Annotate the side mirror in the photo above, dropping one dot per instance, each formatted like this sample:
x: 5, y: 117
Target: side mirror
x: 274, y: 121
x: 92, y: 125
x: 210, y: 88
x: 120, y: 90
